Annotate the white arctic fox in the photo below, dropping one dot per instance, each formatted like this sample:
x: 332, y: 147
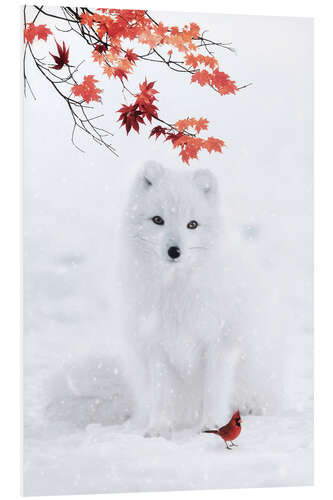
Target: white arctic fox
x: 192, y: 348
x: 178, y: 345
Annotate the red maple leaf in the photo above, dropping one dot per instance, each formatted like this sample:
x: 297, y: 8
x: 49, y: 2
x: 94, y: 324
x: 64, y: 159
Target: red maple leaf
x: 157, y: 131
x: 131, y: 116
x: 174, y: 137
x: 62, y: 58
x: 148, y: 109
x: 101, y: 47
x: 120, y: 73
x: 131, y: 56
x: 145, y: 100
x: 41, y: 32
x: 87, y: 89
x: 147, y: 93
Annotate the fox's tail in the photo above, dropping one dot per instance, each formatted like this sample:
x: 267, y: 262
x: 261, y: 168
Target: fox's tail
x: 94, y: 389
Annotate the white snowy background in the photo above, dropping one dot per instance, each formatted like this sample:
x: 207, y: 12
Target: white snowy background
x: 72, y: 206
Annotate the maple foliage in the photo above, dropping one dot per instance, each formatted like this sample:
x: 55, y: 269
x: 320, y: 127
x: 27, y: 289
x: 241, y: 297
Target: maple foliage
x: 201, y: 124
x: 144, y: 107
x: 189, y: 145
x: 32, y: 31
x: 145, y: 100
x: 100, y: 48
x: 131, y: 56
x: 62, y: 58
x: 120, y: 39
x: 118, y: 25
x: 157, y: 131
x: 87, y: 89
x: 130, y: 117
x: 181, y: 134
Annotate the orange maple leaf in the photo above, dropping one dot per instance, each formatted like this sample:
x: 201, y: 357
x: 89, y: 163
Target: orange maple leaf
x: 174, y: 30
x: 87, y: 19
x: 213, y: 144
x: 125, y: 65
x: 112, y: 55
x: 87, y: 89
x: 181, y: 125
x: 191, y: 60
x: 202, y: 77
x: 161, y: 30
x: 198, y: 125
x: 41, y: 32
x: 201, y: 124
x: 209, y: 61
x: 108, y: 70
x: 177, y: 41
x: 190, y: 148
x: 148, y: 38
x: 194, y: 30
x: 97, y: 56
x: 223, y: 83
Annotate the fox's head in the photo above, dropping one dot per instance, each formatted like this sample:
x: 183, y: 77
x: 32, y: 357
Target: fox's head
x: 174, y: 215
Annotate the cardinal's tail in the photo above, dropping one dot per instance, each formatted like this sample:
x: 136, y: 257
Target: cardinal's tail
x: 212, y: 432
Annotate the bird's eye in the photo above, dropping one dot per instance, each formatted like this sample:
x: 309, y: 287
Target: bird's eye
x: 158, y: 220
x: 193, y: 224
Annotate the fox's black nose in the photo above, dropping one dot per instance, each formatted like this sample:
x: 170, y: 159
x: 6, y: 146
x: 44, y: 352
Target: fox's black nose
x: 174, y: 252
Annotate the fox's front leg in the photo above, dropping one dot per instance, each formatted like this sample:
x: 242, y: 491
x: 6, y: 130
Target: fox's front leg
x: 220, y: 364
x: 161, y: 394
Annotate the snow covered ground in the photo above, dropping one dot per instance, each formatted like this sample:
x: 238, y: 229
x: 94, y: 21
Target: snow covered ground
x: 273, y: 451
x: 72, y: 205
x: 75, y: 456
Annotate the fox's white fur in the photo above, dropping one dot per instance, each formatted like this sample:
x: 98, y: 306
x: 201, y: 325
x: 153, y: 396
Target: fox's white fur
x: 182, y: 358
x: 189, y: 351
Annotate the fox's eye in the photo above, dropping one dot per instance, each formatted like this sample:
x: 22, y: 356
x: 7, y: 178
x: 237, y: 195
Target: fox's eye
x: 193, y: 224
x: 158, y: 220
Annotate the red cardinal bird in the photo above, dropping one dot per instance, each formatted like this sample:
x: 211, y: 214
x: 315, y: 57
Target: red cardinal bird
x: 230, y: 431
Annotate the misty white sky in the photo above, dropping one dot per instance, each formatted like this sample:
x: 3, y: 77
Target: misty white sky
x: 267, y: 127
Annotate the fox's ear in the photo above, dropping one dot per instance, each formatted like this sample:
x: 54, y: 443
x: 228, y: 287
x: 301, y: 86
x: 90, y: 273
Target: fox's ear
x: 152, y: 173
x: 206, y: 182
